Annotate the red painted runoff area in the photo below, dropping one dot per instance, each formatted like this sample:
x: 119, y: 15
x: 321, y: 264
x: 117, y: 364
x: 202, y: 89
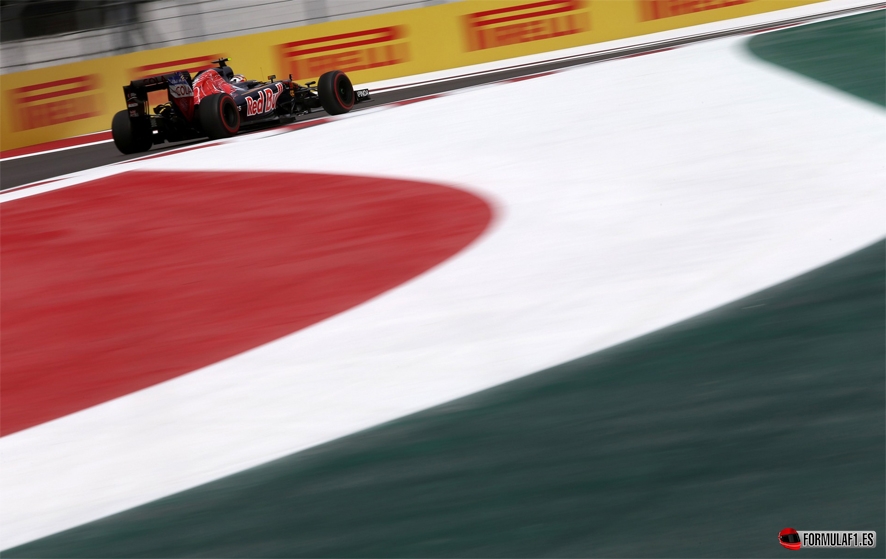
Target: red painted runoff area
x: 127, y: 281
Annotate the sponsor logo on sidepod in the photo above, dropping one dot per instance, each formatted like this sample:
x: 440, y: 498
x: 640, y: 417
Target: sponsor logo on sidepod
x: 265, y: 102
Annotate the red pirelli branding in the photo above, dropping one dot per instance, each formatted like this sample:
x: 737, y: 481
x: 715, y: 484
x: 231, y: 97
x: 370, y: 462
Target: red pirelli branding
x: 191, y: 65
x: 524, y: 23
x: 659, y: 9
x: 349, y: 52
x: 55, y: 102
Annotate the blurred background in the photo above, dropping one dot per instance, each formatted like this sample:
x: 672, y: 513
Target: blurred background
x: 41, y: 33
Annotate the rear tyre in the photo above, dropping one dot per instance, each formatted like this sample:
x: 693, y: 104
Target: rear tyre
x: 131, y: 135
x: 219, y: 116
x: 336, y: 92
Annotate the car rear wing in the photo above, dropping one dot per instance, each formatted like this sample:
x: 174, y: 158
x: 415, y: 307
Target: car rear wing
x: 136, y: 92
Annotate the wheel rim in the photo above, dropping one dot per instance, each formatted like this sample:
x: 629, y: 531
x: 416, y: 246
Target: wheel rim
x: 229, y: 115
x: 345, y: 93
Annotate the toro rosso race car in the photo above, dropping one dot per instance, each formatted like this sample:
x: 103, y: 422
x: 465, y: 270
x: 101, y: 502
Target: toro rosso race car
x: 218, y: 103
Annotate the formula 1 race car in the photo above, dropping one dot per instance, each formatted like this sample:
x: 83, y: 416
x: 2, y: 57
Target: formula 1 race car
x: 218, y: 103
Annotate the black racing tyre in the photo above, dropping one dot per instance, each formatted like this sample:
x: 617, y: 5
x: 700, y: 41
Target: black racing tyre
x: 336, y: 92
x: 131, y: 135
x: 219, y: 116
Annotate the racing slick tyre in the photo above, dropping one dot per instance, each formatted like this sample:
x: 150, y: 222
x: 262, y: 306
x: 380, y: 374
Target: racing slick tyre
x: 336, y: 92
x: 131, y: 135
x: 219, y: 116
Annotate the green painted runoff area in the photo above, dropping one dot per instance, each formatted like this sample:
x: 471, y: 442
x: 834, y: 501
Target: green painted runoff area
x: 847, y: 53
x: 701, y: 440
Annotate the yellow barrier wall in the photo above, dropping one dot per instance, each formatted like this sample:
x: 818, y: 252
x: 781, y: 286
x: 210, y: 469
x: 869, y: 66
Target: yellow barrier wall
x: 72, y: 99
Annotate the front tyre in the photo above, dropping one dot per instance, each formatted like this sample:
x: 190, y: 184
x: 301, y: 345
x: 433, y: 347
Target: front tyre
x: 219, y: 116
x: 131, y: 135
x: 336, y: 92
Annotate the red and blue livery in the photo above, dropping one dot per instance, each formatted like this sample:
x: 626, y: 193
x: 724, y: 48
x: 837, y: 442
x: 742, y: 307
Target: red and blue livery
x: 217, y: 103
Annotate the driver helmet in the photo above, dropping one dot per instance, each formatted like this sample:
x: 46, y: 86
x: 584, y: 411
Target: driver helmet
x: 238, y: 78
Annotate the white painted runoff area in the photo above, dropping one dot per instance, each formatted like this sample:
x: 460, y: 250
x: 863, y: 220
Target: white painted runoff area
x: 640, y: 193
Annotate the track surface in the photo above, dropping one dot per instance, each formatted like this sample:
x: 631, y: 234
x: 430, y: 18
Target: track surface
x: 582, y: 479
x: 632, y: 452
x: 311, y: 255
x: 18, y: 172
